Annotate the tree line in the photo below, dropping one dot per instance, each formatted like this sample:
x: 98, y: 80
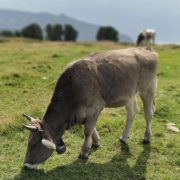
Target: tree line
x: 58, y: 32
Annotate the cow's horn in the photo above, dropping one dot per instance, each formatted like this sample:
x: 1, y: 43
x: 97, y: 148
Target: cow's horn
x: 31, y: 128
x: 28, y: 117
x: 48, y: 144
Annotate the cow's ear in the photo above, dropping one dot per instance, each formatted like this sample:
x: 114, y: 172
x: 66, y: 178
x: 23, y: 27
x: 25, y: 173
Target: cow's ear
x: 48, y: 144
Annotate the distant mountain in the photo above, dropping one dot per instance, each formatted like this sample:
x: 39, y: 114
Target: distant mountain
x: 16, y: 20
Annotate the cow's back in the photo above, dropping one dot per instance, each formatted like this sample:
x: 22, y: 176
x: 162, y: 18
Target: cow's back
x: 122, y: 73
x: 113, y: 76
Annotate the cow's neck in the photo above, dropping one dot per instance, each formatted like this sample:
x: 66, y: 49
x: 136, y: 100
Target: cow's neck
x: 55, y: 121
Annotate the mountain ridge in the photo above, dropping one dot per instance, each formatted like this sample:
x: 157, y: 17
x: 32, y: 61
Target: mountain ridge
x: 16, y: 20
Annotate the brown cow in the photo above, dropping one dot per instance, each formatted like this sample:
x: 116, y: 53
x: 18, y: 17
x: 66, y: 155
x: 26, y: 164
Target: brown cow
x: 85, y: 88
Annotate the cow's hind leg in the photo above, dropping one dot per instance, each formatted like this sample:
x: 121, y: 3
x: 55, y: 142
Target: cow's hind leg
x: 131, y: 110
x: 148, y: 99
x: 95, y: 139
x: 89, y: 131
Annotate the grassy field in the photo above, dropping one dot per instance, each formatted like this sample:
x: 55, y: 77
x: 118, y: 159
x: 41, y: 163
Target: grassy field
x: 28, y: 73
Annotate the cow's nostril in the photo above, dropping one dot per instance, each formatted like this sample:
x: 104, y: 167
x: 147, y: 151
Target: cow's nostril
x: 25, y: 167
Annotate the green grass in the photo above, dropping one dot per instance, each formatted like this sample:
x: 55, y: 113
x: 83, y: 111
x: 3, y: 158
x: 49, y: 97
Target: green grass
x: 24, y: 63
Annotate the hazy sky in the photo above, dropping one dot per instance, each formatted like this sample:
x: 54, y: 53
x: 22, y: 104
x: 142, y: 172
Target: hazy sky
x: 95, y: 11
x: 102, y: 12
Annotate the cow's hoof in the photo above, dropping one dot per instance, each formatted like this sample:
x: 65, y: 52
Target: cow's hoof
x: 82, y: 157
x: 95, y: 146
x: 146, y: 141
x: 122, y: 141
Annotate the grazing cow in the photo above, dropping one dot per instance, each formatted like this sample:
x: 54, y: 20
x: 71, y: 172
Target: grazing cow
x: 146, y: 37
x: 85, y: 88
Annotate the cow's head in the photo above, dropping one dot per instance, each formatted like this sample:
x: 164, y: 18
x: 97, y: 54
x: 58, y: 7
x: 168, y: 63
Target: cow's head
x: 40, y: 144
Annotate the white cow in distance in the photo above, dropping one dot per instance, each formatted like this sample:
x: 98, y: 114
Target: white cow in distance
x: 146, y: 37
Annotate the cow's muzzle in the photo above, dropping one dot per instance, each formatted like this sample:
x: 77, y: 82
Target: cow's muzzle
x: 60, y: 147
x: 30, y: 166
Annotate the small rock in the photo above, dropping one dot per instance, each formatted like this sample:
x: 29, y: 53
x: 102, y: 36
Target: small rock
x: 172, y: 127
x: 45, y: 78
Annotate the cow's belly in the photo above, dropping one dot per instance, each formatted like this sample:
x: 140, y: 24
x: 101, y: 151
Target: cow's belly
x: 117, y: 102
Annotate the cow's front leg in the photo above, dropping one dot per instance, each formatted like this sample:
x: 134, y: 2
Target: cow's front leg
x: 89, y: 128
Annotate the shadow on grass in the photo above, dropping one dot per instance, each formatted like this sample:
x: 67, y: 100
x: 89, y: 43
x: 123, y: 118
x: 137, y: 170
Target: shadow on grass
x: 117, y: 168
